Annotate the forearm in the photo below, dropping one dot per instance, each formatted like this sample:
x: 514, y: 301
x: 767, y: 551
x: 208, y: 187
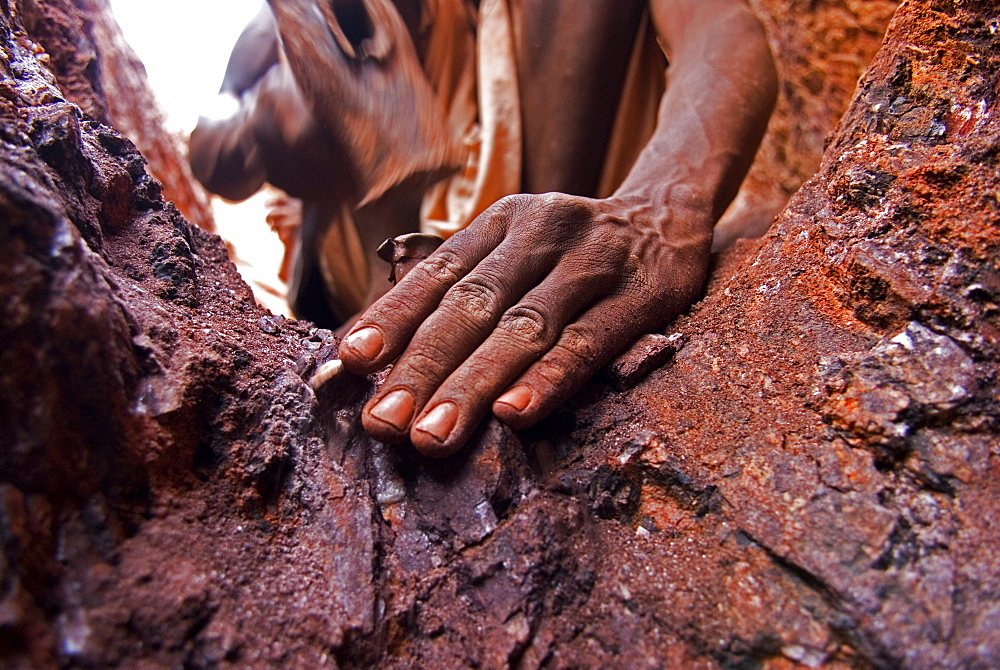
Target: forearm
x: 721, y: 88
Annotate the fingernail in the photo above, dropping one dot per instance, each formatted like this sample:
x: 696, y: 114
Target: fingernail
x: 396, y: 409
x: 366, y: 343
x: 518, y: 397
x: 440, y: 421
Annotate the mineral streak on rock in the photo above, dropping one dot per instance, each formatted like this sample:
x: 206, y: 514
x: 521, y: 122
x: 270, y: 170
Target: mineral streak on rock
x: 811, y: 482
x: 885, y: 395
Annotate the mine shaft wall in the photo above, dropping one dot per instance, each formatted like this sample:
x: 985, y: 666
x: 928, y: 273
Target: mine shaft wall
x: 810, y: 481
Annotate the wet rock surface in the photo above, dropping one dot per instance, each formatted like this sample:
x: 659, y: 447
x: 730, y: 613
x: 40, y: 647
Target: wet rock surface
x: 810, y: 481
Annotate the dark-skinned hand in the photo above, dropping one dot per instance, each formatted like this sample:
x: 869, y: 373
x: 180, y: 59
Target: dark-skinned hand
x: 515, y: 313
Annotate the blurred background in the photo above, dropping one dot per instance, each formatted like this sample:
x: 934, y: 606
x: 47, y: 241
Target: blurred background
x: 186, y: 82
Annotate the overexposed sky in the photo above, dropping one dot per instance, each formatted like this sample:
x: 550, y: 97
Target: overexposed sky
x: 184, y: 45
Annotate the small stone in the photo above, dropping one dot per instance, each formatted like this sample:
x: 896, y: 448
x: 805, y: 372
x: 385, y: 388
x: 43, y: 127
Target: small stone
x: 321, y: 334
x: 403, y: 253
x: 811, y: 658
x: 269, y: 324
x: 647, y: 354
x: 905, y: 382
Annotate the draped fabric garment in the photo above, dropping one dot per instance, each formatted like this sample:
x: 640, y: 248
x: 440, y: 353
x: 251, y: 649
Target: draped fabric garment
x: 483, y: 106
x: 476, y: 81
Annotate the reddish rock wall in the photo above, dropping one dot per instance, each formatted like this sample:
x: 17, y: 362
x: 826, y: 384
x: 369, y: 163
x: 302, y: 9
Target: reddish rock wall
x: 95, y: 68
x: 820, y: 49
x: 811, y: 481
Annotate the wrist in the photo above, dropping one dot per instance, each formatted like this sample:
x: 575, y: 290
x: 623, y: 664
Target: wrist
x: 671, y: 210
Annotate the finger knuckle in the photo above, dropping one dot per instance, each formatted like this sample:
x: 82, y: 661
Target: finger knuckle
x: 567, y: 207
x: 512, y: 203
x: 504, y: 210
x: 568, y: 362
x: 388, y: 311
x: 476, y: 299
x: 578, y: 345
x: 546, y: 378
x: 541, y: 208
x: 526, y: 323
x: 599, y: 266
x: 422, y: 364
x: 444, y: 266
x: 552, y: 375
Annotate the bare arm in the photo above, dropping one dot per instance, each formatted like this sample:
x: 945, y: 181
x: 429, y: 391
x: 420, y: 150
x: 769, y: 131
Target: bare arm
x: 517, y: 311
x: 721, y: 88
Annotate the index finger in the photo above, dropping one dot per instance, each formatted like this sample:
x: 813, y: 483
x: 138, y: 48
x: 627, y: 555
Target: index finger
x: 380, y: 335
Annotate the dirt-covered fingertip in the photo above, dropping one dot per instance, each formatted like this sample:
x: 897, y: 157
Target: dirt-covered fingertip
x: 519, y: 407
x: 362, y: 349
x: 387, y: 416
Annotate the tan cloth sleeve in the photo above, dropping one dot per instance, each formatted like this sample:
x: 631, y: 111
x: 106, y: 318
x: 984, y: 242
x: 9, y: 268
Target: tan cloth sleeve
x: 491, y: 139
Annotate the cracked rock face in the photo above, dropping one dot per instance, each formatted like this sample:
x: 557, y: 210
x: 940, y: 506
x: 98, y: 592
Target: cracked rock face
x: 881, y: 397
x: 809, y: 481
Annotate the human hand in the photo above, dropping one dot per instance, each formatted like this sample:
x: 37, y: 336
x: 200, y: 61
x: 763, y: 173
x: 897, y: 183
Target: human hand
x: 517, y: 311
